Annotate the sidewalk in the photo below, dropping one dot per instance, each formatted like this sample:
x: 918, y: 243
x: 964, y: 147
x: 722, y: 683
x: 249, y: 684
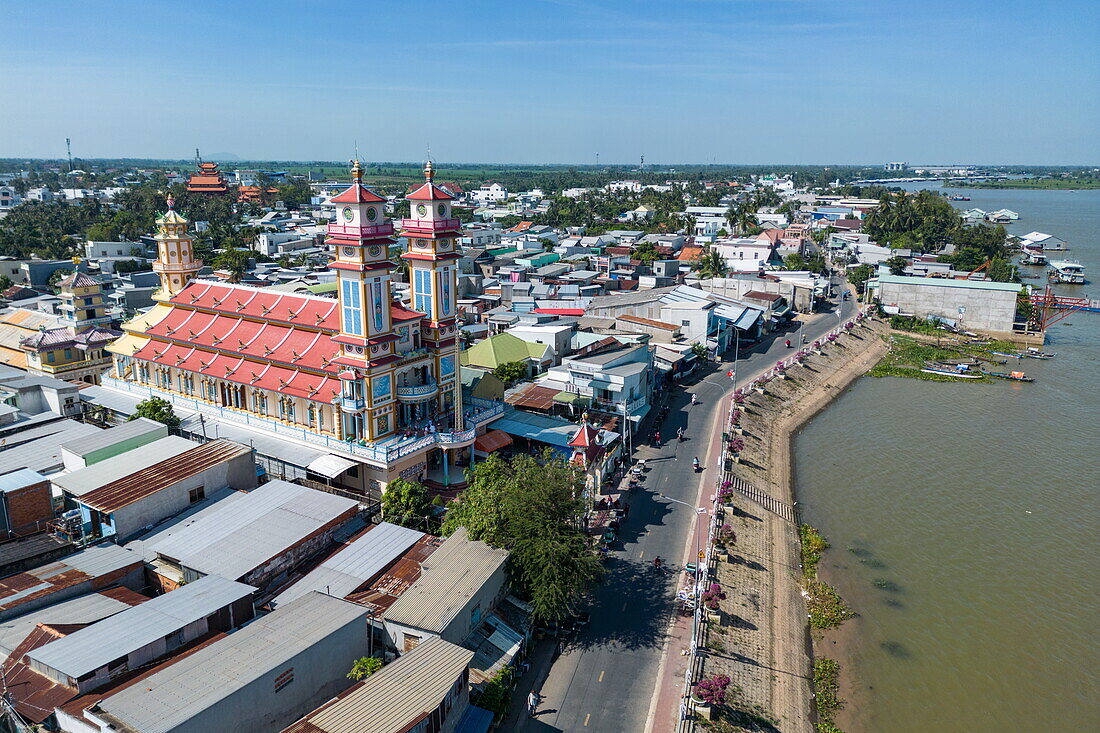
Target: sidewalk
x: 541, y: 659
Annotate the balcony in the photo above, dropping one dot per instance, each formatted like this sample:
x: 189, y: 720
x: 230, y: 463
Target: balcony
x: 430, y: 226
x: 384, y: 229
x: 417, y: 393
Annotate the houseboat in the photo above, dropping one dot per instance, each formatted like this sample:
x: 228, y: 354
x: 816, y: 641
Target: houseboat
x: 1033, y: 257
x: 1069, y: 272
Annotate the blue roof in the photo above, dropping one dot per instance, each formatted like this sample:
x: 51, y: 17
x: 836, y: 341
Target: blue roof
x: 544, y: 429
x: 20, y: 479
x: 474, y: 720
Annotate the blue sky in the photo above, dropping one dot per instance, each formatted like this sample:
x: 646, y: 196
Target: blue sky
x: 531, y: 81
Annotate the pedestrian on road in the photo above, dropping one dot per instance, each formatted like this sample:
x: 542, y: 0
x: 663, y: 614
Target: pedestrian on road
x: 532, y: 703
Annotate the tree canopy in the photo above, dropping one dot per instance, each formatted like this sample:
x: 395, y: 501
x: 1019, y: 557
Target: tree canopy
x: 532, y: 506
x: 158, y: 409
x: 406, y: 503
x: 511, y: 371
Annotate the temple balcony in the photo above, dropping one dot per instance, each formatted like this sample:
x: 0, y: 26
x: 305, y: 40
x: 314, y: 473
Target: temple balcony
x: 418, y: 392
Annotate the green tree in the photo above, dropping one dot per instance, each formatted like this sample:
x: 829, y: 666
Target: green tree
x: 5, y: 282
x: 699, y: 350
x: 406, y: 503
x: 158, y: 409
x: 364, y: 667
x: 794, y: 261
x: 511, y: 371
x: 234, y: 261
x: 711, y: 264
x: 1002, y: 271
x: 897, y: 265
x: 859, y: 276
x: 57, y: 276
x: 646, y: 252
x: 533, y: 506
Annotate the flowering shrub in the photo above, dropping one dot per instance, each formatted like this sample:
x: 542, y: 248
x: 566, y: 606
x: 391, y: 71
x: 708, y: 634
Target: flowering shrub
x: 739, y: 397
x: 780, y: 367
x: 713, y: 689
x: 726, y: 535
x: 735, y: 417
x: 725, y: 492
x: 817, y: 344
x: 832, y: 337
x: 737, y: 445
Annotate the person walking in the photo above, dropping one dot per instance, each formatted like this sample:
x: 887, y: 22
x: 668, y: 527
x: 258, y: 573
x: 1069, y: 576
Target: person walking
x: 532, y: 703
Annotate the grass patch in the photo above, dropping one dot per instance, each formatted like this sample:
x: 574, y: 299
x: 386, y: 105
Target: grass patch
x: 907, y: 355
x: 826, y: 678
x: 814, y: 545
x: 827, y: 609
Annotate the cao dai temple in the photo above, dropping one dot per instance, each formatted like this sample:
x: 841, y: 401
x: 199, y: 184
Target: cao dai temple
x: 371, y: 382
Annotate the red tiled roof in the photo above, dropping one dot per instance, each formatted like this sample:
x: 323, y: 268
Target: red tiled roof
x: 428, y: 191
x: 358, y: 194
x: 399, y: 312
x: 585, y: 437
x: 690, y: 253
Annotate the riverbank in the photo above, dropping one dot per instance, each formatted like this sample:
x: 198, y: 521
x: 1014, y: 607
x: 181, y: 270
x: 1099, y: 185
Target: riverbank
x: 759, y: 637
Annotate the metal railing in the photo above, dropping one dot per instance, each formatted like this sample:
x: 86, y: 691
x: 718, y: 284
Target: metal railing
x: 417, y: 390
x: 387, y: 452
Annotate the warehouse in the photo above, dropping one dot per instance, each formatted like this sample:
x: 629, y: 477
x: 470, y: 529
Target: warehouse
x: 971, y: 305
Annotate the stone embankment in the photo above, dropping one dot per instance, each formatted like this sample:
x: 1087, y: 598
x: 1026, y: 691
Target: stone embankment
x: 759, y: 636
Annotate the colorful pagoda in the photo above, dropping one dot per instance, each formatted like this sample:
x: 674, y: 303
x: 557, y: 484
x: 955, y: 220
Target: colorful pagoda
x: 364, y: 376
x: 208, y: 179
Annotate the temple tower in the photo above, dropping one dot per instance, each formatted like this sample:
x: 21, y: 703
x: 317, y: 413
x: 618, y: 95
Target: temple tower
x: 175, y: 264
x: 361, y: 237
x: 433, y: 234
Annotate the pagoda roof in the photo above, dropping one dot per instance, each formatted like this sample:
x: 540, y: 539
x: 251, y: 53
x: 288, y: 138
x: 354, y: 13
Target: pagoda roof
x: 428, y: 191
x: 585, y: 437
x: 79, y: 280
x: 358, y: 194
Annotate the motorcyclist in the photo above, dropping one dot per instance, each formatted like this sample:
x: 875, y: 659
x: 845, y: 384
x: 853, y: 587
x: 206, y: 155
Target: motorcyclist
x: 695, y: 464
x: 679, y: 433
x: 788, y: 343
x: 694, y: 400
x: 657, y: 562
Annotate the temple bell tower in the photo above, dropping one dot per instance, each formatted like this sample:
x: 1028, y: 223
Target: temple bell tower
x: 175, y: 264
x: 361, y: 237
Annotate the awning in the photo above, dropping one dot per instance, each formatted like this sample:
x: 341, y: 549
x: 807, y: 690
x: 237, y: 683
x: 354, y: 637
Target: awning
x: 493, y: 440
x: 330, y: 465
x: 474, y: 720
x: 570, y: 397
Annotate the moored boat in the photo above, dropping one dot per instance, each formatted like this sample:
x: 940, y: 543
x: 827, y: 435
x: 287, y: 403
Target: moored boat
x: 1067, y: 272
x: 1034, y: 353
x: 950, y: 370
x: 1013, y: 376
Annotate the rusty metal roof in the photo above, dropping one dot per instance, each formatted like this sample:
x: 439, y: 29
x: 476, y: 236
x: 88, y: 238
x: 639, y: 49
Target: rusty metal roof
x: 148, y: 481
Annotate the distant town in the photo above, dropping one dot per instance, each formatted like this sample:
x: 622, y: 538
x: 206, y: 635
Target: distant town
x: 391, y: 447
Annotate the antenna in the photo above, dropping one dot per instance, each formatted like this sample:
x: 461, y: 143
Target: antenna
x: 597, y: 160
x: 642, y: 166
x: 69, y: 149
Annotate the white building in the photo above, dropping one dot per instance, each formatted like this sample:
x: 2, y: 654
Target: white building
x: 489, y: 194
x: 630, y: 186
x: 9, y: 198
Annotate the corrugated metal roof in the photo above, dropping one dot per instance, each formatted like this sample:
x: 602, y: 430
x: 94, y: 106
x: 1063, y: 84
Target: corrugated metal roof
x: 80, y: 482
x: 450, y: 577
x: 20, y: 479
x: 354, y: 565
x: 74, y: 569
x: 84, y: 609
x: 236, y: 537
x: 396, y: 696
x: 941, y: 282
x: 161, y: 475
x: 172, y: 696
x: 94, y: 646
x: 40, y: 447
x: 112, y: 436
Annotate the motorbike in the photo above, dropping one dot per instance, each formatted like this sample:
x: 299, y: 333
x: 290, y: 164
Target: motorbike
x: 788, y: 342
x: 695, y: 465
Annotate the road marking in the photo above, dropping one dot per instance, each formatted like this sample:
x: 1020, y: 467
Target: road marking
x: 601, y: 676
x: 586, y: 719
x: 641, y: 554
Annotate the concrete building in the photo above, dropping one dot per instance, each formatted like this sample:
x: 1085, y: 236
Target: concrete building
x: 89, y: 570
x: 972, y: 305
x: 426, y: 690
x: 91, y: 657
x: 111, y: 442
x: 256, y: 680
x: 127, y: 494
x: 257, y: 537
x: 459, y: 584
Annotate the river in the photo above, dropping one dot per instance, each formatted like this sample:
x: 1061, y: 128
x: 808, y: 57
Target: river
x: 964, y: 519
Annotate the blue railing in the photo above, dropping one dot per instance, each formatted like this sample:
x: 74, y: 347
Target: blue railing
x: 386, y: 452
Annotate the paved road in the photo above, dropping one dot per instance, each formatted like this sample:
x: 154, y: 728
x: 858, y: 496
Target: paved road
x: 605, y: 681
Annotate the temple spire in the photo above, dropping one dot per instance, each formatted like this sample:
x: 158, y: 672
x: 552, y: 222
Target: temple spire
x: 357, y: 171
x: 429, y: 171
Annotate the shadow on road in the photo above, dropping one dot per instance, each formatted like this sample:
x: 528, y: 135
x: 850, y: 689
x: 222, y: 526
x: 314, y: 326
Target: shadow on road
x: 632, y: 608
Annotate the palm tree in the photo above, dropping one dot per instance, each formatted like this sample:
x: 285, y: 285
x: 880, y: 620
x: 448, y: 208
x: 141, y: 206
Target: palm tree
x: 711, y: 264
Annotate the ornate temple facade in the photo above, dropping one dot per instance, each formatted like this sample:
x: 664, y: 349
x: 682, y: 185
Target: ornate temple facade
x: 77, y: 349
x: 207, y: 179
x: 370, y: 378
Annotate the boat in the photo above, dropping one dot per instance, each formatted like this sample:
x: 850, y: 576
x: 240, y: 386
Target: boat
x: 1068, y: 272
x: 1004, y: 353
x: 946, y: 370
x: 1014, y: 376
x: 1033, y: 257
x: 1034, y: 353
x: 959, y: 197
